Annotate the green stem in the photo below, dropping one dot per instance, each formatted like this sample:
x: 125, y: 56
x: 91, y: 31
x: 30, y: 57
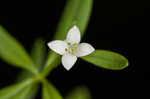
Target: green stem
x: 53, y: 61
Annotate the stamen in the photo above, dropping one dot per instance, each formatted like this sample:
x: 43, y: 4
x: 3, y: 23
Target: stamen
x: 69, y: 43
x: 72, y: 50
x: 66, y: 49
x: 74, y: 45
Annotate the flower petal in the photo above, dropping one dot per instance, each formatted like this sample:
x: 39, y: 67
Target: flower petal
x: 73, y: 35
x: 84, y: 49
x: 68, y: 60
x: 58, y: 46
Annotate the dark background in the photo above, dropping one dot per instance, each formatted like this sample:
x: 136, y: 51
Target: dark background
x: 120, y: 26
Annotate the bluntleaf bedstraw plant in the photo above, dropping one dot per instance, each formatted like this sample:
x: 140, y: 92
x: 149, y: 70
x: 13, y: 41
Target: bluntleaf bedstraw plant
x: 66, y: 42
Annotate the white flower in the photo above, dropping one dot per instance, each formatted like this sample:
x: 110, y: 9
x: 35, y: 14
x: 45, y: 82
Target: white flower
x: 71, y: 48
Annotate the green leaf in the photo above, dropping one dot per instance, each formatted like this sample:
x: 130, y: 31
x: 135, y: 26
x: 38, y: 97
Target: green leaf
x: 38, y: 52
x: 76, y: 12
x: 107, y: 59
x: 37, y: 55
x: 15, y: 90
x: 30, y: 92
x: 22, y: 94
x: 79, y: 93
x: 12, y: 52
x: 23, y: 75
x: 33, y: 92
x: 26, y: 93
x: 49, y: 91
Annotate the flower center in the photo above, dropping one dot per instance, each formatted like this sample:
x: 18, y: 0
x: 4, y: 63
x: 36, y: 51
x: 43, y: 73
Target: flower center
x: 72, y: 48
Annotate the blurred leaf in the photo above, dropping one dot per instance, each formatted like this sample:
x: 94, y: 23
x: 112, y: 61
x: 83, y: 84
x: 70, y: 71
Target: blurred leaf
x: 38, y: 52
x: 76, y: 12
x: 37, y: 55
x: 23, y: 75
x: 33, y: 92
x: 50, y: 92
x: 30, y: 92
x: 14, y: 90
x: 26, y: 93
x: 12, y: 52
x: 79, y: 93
x: 107, y: 59
x: 22, y: 94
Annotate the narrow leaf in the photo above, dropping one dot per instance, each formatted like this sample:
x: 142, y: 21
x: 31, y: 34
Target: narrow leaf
x: 12, y: 52
x: 33, y: 89
x: 50, y: 92
x: 79, y: 93
x: 13, y: 90
x: 25, y: 93
x: 37, y: 55
x: 76, y: 12
x: 107, y: 59
x: 38, y: 52
x: 24, y: 74
x: 33, y: 92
